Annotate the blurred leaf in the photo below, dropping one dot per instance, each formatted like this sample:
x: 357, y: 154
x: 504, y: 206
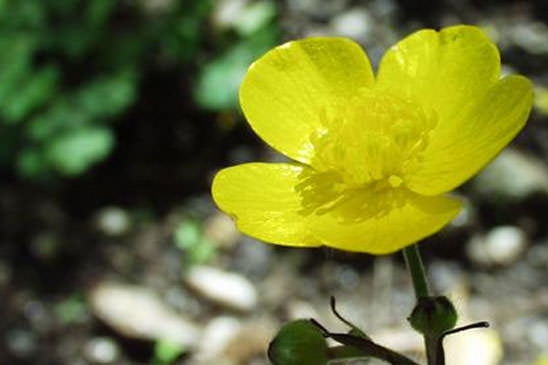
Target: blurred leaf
x: 218, y: 82
x: 74, y: 152
x: 31, y: 163
x: 180, y: 36
x: 70, y: 130
x: 108, y: 96
x: 255, y: 17
x: 166, y: 352
x: 189, y: 238
x: 98, y: 12
x: 14, y: 67
x: 68, y: 68
x: 63, y: 114
x: 21, y: 89
x: 201, y: 253
x: 32, y: 93
x: 94, y: 102
x: 9, y: 137
x: 71, y: 310
x: 188, y: 235
x: 16, y: 14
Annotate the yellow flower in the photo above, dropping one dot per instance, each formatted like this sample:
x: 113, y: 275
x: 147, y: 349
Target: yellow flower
x: 373, y: 155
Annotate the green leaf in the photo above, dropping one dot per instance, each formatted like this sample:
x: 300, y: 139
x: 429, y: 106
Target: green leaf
x: 166, y: 352
x: 188, y: 235
x: 71, y: 310
x: 99, y: 11
x: 31, y: 94
x: 74, y: 152
x: 108, y: 96
x: 298, y: 342
x: 31, y: 163
x: 219, y: 80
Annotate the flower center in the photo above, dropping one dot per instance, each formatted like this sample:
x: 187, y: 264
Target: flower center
x: 363, y: 152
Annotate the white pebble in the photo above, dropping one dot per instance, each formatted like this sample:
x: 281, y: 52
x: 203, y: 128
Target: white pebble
x: 101, y: 350
x: 228, y: 289
x: 218, y: 333
x: 500, y: 246
x: 139, y: 313
x: 113, y: 221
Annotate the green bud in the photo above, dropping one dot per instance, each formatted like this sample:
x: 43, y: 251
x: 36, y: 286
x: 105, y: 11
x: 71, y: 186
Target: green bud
x: 298, y: 342
x: 433, y: 315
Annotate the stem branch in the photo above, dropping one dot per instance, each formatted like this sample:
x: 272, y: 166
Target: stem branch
x: 420, y: 284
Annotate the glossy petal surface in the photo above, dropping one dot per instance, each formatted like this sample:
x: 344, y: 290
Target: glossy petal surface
x: 416, y: 218
x: 457, y: 152
x: 262, y: 199
x: 286, y: 92
x: 445, y: 72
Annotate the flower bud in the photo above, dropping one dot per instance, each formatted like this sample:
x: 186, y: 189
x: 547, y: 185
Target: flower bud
x: 433, y: 315
x: 298, y: 342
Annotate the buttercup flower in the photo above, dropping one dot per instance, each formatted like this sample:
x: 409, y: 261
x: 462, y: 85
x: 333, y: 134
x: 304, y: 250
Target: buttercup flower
x: 373, y: 156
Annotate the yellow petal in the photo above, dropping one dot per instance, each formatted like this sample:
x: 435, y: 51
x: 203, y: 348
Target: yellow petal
x: 457, y: 152
x: 262, y: 200
x: 416, y: 218
x: 285, y: 92
x: 444, y: 71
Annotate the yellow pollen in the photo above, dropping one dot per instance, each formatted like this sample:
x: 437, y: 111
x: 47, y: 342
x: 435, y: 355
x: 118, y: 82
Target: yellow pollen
x: 395, y: 181
x: 363, y: 150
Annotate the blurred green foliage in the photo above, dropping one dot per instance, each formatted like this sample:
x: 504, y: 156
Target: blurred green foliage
x: 166, y: 352
x: 255, y: 32
x: 197, y: 248
x: 69, y: 68
x: 71, y: 310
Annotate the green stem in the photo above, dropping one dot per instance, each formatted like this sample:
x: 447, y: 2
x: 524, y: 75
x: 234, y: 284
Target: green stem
x: 422, y: 290
x: 416, y: 269
x: 347, y: 352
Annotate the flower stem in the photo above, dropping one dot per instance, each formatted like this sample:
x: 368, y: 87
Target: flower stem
x: 422, y: 290
x: 416, y: 269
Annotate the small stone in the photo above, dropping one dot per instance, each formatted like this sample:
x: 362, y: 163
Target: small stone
x: 113, y: 221
x: 37, y: 315
x: 216, y: 336
x: 317, y: 8
x: 538, y: 255
x: 222, y: 230
x: 253, y: 258
x: 21, y: 343
x: 227, y: 12
x: 500, y: 246
x: 538, y: 334
x: 354, y: 23
x: 136, y: 312
x: 229, y: 289
x: 230, y: 341
x: 101, y: 350
x: 512, y: 176
x: 256, y: 335
x: 446, y: 275
x: 531, y: 36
